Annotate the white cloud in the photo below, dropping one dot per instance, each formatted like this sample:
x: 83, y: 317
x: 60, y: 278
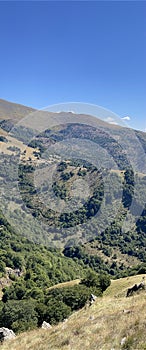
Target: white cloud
x: 126, y: 118
x: 69, y: 111
x: 111, y: 120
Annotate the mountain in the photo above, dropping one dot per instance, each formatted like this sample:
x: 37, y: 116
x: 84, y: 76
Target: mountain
x: 112, y: 322
x: 9, y: 110
x: 79, y: 180
x: 73, y: 191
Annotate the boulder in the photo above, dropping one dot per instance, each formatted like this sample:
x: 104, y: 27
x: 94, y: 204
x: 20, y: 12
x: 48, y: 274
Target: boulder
x: 6, y: 334
x: 46, y: 325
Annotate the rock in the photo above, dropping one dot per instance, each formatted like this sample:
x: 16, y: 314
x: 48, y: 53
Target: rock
x: 127, y: 311
x: 6, y: 334
x: 92, y: 299
x: 123, y: 341
x: 46, y: 325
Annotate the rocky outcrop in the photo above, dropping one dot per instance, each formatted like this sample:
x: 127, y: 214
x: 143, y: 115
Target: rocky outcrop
x: 6, y: 334
x: 135, y: 288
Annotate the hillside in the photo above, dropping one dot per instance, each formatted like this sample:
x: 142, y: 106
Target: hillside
x: 19, y: 253
x: 13, y: 111
x: 109, y: 321
x: 54, y: 191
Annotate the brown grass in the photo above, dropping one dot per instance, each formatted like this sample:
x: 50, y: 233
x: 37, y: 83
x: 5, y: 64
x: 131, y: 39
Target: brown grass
x: 101, y: 326
x: 14, y: 142
x: 65, y: 284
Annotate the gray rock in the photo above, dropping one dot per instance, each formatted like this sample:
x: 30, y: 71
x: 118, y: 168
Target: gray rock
x: 46, y: 325
x: 6, y: 334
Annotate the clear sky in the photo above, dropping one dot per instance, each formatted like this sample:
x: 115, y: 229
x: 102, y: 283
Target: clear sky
x: 94, y: 52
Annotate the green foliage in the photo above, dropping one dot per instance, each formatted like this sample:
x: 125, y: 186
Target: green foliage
x: 18, y: 315
x: 91, y: 279
x: 96, y: 282
x: 57, y: 311
x: 104, y: 281
x: 2, y: 267
x: 75, y: 297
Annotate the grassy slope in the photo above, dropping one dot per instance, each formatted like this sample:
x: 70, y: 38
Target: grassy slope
x: 65, y: 284
x: 4, y: 147
x: 101, y: 326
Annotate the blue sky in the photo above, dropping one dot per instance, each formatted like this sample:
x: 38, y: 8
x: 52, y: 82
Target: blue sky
x: 93, y: 52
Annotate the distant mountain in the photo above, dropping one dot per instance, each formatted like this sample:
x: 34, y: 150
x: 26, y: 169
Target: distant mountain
x: 14, y: 111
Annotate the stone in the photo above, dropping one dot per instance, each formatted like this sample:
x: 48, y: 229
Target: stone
x: 127, y: 311
x: 123, y: 341
x: 46, y: 325
x: 92, y: 299
x: 6, y: 334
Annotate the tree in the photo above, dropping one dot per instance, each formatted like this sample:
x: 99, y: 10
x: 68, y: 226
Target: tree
x: 97, y: 281
x: 105, y: 281
x: 57, y: 311
x: 91, y: 279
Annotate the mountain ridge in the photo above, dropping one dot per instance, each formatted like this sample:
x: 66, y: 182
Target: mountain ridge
x: 15, y: 112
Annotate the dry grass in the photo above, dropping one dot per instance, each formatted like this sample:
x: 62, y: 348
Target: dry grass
x: 65, y: 284
x: 119, y: 287
x: 101, y: 326
x: 4, y: 147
